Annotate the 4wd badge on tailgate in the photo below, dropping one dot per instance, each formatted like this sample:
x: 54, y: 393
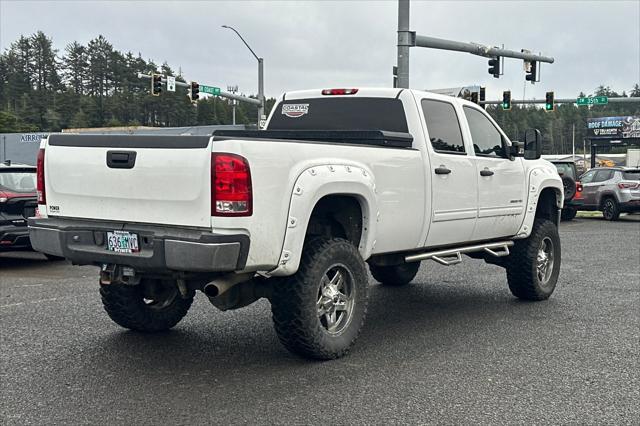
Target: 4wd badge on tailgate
x: 295, y: 110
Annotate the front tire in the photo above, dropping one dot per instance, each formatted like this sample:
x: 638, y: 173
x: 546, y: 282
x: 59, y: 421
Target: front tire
x: 534, y: 264
x: 395, y: 275
x: 319, y: 311
x: 610, y: 209
x: 148, y: 307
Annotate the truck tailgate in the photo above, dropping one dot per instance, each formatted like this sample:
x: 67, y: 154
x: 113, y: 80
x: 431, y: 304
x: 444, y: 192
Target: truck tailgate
x: 144, y: 179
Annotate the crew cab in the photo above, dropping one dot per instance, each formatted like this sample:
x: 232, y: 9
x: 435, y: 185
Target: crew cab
x: 339, y: 180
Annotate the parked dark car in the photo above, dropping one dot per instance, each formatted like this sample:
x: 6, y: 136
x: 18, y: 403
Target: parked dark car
x: 611, y: 190
x: 17, y: 203
x: 572, y: 188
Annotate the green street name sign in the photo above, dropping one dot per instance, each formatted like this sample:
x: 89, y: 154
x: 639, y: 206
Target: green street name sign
x: 210, y: 90
x: 595, y: 100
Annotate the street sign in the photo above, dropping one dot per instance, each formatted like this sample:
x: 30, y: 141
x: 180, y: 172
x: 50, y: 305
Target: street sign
x: 593, y: 100
x: 171, y: 84
x: 210, y: 90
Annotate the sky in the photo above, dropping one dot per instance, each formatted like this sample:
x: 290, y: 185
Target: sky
x: 323, y: 44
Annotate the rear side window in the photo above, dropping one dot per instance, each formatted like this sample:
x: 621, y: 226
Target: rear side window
x: 487, y: 140
x: 631, y: 175
x: 443, y: 126
x: 340, y: 113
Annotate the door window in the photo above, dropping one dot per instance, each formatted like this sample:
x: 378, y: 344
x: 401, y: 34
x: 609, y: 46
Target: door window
x: 443, y: 127
x: 587, y: 177
x: 487, y: 140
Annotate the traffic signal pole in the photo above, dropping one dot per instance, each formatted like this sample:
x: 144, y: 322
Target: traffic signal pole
x: 223, y: 93
x: 408, y: 39
x: 557, y: 101
x: 477, y: 49
x: 405, y: 41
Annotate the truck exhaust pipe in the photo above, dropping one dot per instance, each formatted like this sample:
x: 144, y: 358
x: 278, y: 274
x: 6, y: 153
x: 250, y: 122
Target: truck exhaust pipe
x: 236, y: 290
x: 222, y: 285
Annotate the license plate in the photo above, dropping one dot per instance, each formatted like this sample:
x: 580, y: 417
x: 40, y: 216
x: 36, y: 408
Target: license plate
x: 122, y: 242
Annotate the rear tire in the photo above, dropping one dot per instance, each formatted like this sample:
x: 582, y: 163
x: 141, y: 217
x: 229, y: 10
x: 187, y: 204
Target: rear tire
x: 129, y: 306
x: 568, y: 213
x: 534, y: 264
x: 610, y: 209
x: 319, y: 311
x: 396, y: 275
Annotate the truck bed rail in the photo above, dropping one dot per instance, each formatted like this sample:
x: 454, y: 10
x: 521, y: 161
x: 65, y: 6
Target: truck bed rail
x: 379, y: 138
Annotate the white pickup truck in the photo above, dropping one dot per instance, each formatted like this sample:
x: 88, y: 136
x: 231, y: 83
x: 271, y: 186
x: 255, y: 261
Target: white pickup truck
x: 339, y: 179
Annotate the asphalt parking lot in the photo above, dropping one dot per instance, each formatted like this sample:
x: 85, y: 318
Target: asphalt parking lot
x: 454, y: 347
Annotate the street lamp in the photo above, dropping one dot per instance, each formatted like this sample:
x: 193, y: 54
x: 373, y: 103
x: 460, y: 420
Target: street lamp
x: 260, y: 74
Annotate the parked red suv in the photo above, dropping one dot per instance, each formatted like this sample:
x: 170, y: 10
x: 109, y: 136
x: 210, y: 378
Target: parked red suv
x: 17, y: 203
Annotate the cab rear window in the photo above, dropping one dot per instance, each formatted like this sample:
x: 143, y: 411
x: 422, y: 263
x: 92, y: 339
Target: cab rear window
x: 340, y: 114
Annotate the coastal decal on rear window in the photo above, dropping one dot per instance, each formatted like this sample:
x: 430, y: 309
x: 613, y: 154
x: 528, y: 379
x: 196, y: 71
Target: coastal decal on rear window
x: 295, y: 110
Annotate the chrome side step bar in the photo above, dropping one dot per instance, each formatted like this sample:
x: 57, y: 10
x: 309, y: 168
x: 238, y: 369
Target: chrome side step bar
x: 453, y: 256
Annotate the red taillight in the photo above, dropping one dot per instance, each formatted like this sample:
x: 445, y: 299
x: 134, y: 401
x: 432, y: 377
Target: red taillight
x: 578, y: 187
x: 230, y: 186
x: 627, y: 185
x: 42, y: 194
x: 339, y: 91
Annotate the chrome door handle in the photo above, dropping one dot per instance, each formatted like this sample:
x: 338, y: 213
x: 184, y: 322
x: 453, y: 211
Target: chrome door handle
x: 442, y: 170
x: 486, y: 172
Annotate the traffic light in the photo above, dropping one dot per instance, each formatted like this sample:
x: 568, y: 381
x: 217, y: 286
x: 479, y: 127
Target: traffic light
x: 156, y: 84
x: 482, y: 96
x: 506, y: 100
x: 532, y: 72
x: 194, y: 91
x: 549, y: 102
x: 494, y: 66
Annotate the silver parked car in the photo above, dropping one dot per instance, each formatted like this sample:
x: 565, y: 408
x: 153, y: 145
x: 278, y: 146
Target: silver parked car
x: 612, y: 190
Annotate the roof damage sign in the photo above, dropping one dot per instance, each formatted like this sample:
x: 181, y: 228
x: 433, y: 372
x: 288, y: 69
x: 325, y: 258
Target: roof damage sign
x: 613, y: 127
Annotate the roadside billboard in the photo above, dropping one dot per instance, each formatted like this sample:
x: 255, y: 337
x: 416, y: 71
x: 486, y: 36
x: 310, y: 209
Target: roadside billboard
x: 627, y: 127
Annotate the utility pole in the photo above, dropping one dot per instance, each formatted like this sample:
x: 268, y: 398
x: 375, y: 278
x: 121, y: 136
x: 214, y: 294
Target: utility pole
x: 573, y: 142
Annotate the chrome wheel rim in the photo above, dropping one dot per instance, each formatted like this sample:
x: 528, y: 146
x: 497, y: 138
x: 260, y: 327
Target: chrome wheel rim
x: 545, y: 259
x: 336, y: 296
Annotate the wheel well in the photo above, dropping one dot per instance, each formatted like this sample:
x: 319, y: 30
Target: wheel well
x: 548, y: 205
x: 604, y: 197
x: 336, y: 216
